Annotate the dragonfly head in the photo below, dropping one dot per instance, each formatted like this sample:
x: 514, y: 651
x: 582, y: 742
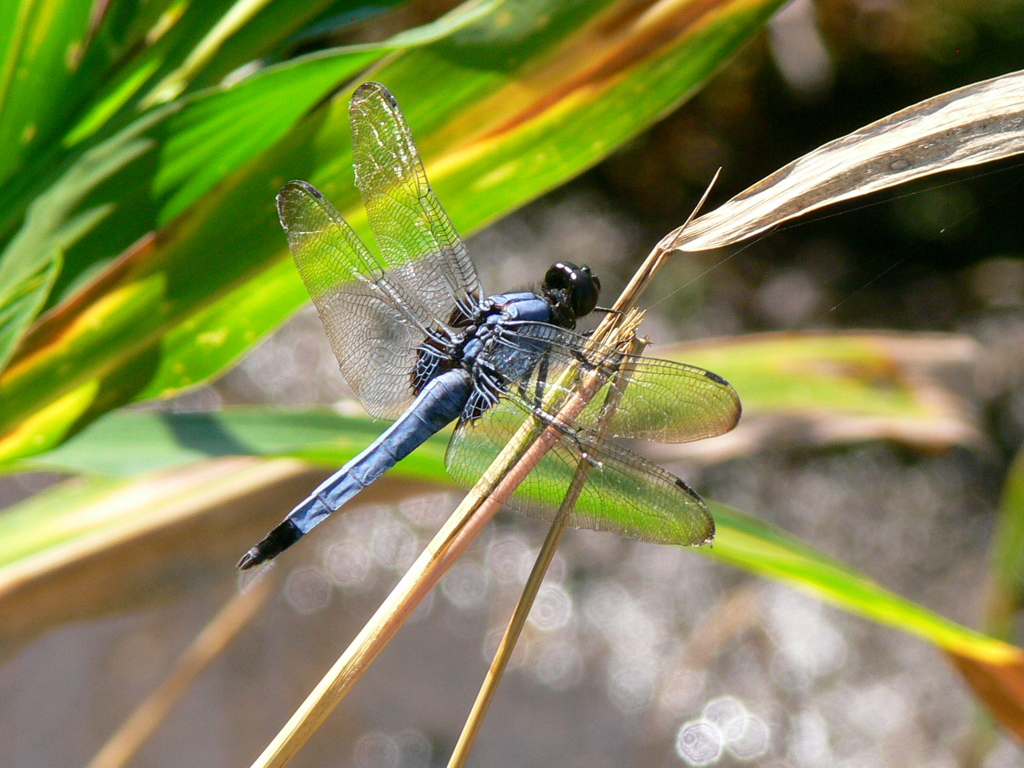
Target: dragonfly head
x: 577, y: 287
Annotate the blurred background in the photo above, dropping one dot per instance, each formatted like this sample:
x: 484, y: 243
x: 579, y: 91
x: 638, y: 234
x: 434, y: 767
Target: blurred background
x: 638, y: 655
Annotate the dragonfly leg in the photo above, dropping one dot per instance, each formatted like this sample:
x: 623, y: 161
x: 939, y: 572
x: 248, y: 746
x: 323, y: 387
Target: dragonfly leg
x: 542, y: 379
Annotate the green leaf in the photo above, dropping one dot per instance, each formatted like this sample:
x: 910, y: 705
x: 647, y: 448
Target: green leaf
x: 216, y: 133
x: 150, y: 172
x: 761, y: 548
x: 65, y: 523
x: 90, y: 207
x: 39, y: 51
x: 1006, y: 588
x: 102, y: 73
x: 55, y: 221
x: 162, y: 440
x: 845, y: 386
x: 552, y: 99
x: 856, y: 380
x: 860, y: 379
x: 21, y: 302
x: 58, y: 565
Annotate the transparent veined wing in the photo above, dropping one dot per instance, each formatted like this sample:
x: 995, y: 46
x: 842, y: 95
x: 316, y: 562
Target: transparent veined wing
x: 418, y: 243
x: 623, y: 493
x: 663, y: 400
x: 373, y: 324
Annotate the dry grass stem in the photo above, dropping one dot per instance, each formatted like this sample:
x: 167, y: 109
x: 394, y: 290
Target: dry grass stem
x: 625, y: 335
x: 132, y: 734
x: 978, y: 123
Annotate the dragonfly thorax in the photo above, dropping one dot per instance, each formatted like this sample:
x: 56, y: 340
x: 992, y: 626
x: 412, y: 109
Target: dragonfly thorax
x: 568, y: 293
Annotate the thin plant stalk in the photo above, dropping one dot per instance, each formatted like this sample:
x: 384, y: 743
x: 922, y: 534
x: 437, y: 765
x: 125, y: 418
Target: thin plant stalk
x: 499, y: 663
x: 496, y: 671
x: 209, y: 644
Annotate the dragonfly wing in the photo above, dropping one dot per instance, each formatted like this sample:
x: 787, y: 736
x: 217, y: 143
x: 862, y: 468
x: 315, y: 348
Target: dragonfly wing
x: 623, y: 493
x: 373, y: 326
x: 663, y: 400
x: 418, y: 242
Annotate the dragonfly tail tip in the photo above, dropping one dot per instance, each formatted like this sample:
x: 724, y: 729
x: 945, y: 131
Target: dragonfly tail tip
x: 249, y: 559
x: 276, y: 542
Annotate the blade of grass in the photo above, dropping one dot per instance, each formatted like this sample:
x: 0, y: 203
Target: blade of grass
x: 21, y: 302
x: 207, y: 646
x: 1006, y: 578
x: 174, y: 84
x: 41, y: 539
x: 38, y: 46
x: 760, y: 548
x: 978, y: 123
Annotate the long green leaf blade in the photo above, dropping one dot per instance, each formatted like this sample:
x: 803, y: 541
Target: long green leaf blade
x: 740, y: 540
x: 493, y: 138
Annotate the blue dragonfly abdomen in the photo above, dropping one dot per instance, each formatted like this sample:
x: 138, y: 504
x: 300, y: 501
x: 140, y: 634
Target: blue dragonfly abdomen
x: 439, y: 403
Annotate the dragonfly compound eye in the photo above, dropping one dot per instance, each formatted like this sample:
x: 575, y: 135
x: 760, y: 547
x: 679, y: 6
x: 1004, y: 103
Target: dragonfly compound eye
x: 559, y: 276
x: 580, y: 285
x: 585, y: 289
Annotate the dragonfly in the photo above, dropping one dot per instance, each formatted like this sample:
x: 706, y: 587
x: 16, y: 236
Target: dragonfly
x: 421, y: 344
